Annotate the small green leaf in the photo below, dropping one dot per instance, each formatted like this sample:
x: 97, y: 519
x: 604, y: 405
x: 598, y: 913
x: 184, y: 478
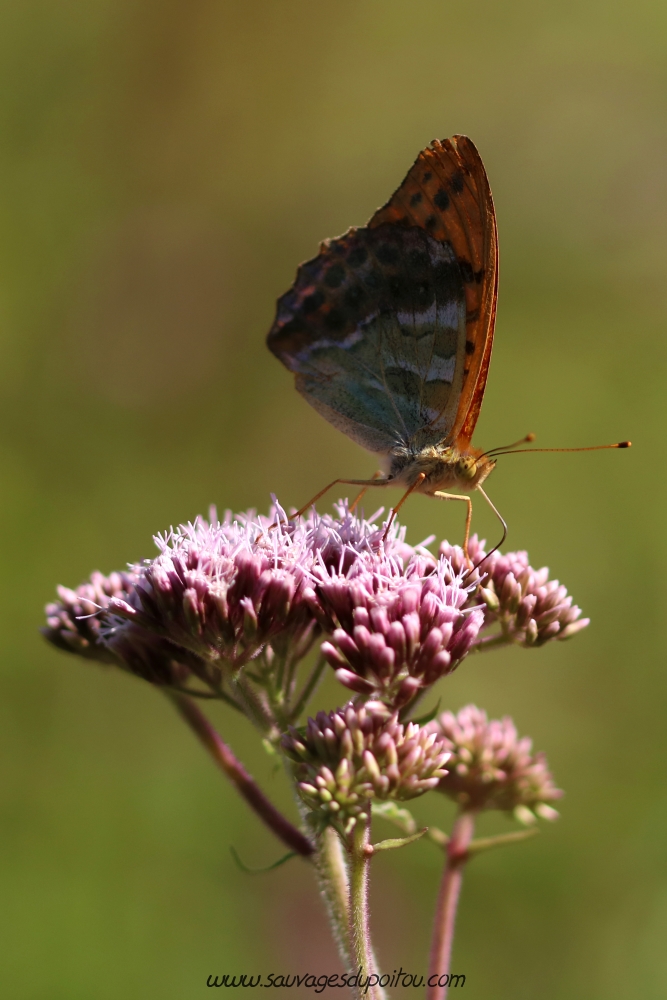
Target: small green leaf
x: 485, y: 843
x: 389, y: 845
x: 260, y: 871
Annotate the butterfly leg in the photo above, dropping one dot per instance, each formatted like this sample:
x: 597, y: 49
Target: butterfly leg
x: 459, y: 496
x: 348, y: 482
x: 502, y: 521
x: 418, y: 481
x: 359, y: 496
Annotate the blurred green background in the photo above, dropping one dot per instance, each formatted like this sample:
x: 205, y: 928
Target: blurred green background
x: 164, y: 167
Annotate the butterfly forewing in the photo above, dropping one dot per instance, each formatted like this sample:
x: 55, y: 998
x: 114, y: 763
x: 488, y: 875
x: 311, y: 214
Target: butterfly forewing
x: 388, y: 328
x: 447, y: 194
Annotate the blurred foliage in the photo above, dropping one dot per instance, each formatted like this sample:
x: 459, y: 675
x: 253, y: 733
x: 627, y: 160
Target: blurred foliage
x: 164, y: 167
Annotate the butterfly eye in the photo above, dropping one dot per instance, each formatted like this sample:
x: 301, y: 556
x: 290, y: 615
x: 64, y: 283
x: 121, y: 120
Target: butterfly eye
x: 467, y: 467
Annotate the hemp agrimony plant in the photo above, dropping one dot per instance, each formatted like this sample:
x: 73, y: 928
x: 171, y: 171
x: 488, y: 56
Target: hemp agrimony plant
x: 253, y: 610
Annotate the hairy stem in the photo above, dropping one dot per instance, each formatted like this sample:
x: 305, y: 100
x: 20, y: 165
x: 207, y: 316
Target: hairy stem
x: 362, y: 948
x: 245, y: 784
x: 255, y: 706
x: 448, y: 897
x: 335, y: 889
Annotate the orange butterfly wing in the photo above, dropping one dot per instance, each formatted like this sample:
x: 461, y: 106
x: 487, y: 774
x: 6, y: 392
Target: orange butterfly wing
x: 447, y: 194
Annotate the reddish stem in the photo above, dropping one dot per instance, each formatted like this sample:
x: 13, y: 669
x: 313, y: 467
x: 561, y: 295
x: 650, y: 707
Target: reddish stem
x: 448, y: 897
x: 244, y: 782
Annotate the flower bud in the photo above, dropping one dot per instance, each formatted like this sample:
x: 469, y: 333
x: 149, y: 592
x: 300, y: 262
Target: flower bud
x: 348, y: 758
x: 491, y: 768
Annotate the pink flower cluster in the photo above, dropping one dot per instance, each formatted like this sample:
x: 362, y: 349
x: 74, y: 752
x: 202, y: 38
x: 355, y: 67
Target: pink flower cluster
x: 221, y: 594
x: 492, y: 768
x: 235, y: 604
x: 346, y: 758
x: 394, y: 633
x: 529, y: 608
x: 77, y: 624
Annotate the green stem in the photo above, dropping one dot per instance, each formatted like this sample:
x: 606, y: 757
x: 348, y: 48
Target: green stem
x: 255, y: 706
x: 486, y: 843
x: 490, y: 642
x: 448, y: 897
x: 362, y: 949
x: 245, y: 784
x: 335, y: 889
x: 207, y: 695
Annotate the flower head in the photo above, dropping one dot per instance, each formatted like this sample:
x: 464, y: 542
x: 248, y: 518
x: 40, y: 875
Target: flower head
x: 76, y: 624
x: 530, y: 608
x: 248, y: 589
x: 73, y: 623
x: 491, y: 768
x: 346, y: 758
x: 221, y: 590
x: 394, y: 630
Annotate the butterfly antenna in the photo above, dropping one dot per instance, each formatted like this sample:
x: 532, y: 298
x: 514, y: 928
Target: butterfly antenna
x: 510, y: 447
x: 595, y: 447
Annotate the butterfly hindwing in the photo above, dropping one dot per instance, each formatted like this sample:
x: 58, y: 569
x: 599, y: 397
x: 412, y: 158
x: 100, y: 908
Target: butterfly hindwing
x: 372, y: 328
x: 388, y: 328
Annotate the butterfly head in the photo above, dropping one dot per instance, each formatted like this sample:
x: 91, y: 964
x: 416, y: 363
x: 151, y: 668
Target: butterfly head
x: 470, y: 468
x: 443, y: 467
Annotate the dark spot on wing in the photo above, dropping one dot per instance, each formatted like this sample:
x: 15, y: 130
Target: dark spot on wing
x: 479, y: 275
x: 357, y: 256
x: 373, y: 280
x: 334, y: 320
x: 313, y: 302
x: 354, y: 296
x: 418, y: 259
x: 397, y: 270
x: 431, y: 222
x: 335, y: 276
x: 427, y: 176
x: 472, y: 315
x: 470, y: 347
x: 387, y: 254
x: 447, y: 281
x: 467, y: 272
x: 457, y: 182
x: 398, y: 288
x: 423, y: 296
x: 441, y: 199
x: 416, y: 198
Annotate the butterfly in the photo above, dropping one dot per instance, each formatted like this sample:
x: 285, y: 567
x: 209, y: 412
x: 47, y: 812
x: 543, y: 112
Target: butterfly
x: 389, y: 329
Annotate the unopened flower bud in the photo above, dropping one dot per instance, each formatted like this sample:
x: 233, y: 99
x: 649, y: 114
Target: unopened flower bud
x: 492, y: 768
x: 345, y: 759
